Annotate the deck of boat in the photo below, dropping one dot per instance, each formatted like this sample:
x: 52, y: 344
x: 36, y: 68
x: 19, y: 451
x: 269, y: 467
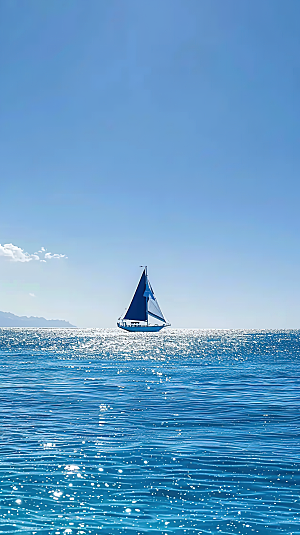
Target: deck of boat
x: 141, y: 328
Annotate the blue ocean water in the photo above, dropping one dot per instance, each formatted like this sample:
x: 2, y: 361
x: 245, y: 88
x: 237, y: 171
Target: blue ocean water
x: 181, y: 432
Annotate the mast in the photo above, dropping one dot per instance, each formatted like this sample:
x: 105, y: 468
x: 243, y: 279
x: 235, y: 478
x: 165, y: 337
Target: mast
x: 147, y: 297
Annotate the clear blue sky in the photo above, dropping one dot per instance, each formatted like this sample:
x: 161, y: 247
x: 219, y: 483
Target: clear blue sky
x: 152, y: 132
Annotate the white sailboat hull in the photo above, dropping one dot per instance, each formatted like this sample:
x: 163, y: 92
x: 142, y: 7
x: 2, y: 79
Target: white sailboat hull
x: 141, y: 328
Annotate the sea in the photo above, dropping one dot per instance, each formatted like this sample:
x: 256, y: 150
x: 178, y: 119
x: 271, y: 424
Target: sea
x: 180, y: 432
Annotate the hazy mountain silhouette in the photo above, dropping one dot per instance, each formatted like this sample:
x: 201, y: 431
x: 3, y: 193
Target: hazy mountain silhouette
x: 11, y: 320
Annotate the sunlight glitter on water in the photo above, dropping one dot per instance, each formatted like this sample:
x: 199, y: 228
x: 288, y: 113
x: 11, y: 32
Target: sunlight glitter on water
x: 198, y: 432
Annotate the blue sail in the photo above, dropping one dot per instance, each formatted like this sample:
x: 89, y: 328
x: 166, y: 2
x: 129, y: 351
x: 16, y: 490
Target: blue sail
x: 138, y: 307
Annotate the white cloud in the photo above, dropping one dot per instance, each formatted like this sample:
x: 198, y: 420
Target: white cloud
x: 31, y: 295
x: 48, y: 256
x: 16, y: 254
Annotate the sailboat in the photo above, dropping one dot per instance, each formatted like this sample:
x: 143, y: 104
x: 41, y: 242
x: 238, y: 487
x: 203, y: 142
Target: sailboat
x: 143, y: 305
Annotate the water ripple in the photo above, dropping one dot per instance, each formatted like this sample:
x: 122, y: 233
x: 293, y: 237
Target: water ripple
x: 183, y: 432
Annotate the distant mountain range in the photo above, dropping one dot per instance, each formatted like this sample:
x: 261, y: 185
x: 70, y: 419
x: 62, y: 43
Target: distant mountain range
x: 11, y: 320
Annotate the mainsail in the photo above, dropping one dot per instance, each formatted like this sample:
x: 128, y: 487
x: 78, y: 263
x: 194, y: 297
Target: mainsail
x: 138, y: 307
x: 144, y: 302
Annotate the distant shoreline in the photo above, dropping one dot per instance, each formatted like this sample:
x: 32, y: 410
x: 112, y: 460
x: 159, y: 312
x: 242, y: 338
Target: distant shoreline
x: 7, y: 319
